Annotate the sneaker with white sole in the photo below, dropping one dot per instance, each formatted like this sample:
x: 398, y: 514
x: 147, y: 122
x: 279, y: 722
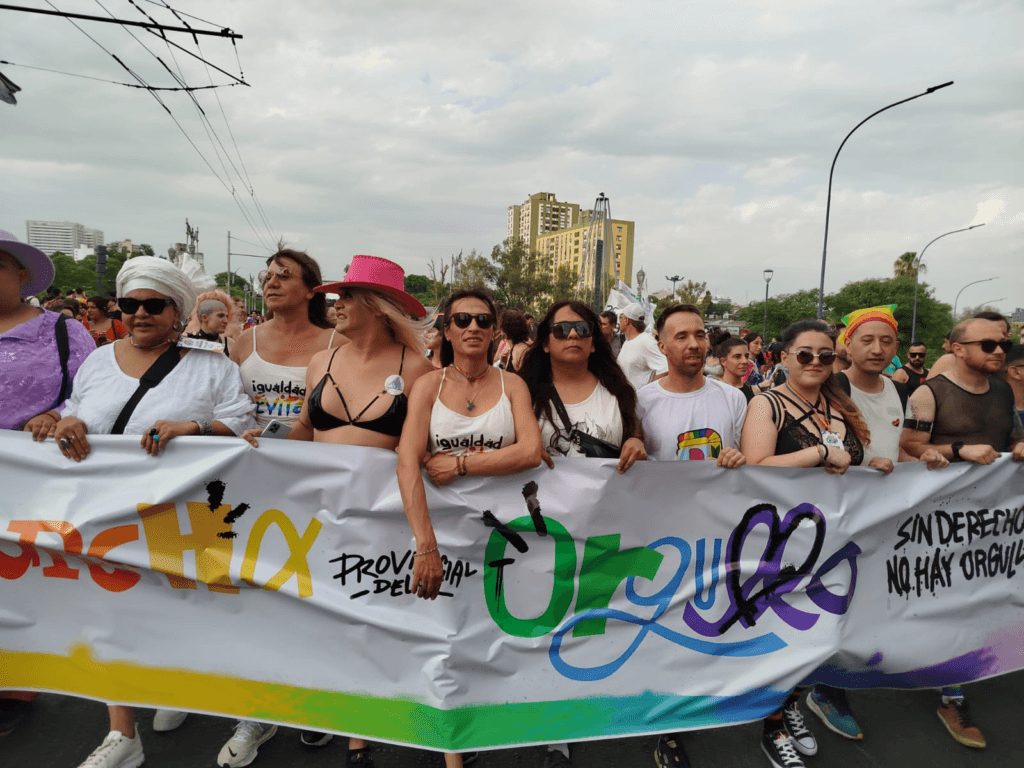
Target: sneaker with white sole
x: 315, y: 738
x: 116, y: 751
x: 803, y: 739
x: 241, y: 748
x: 168, y: 719
x: 778, y: 746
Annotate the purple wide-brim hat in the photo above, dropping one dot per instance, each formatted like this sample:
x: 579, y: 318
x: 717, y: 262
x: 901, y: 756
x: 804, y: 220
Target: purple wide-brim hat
x: 376, y: 274
x: 38, y: 264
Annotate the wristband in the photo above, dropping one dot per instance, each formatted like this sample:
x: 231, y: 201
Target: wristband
x: 824, y: 453
x: 956, y: 451
x: 460, y: 465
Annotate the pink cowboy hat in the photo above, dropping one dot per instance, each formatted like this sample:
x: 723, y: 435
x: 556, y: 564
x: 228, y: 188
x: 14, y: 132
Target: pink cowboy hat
x: 376, y: 274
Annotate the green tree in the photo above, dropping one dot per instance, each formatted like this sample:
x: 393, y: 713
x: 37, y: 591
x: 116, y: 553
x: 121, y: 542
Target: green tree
x: 563, y: 287
x: 782, y: 310
x: 239, y: 286
x: 904, y: 266
x: 522, y: 278
x: 474, y: 271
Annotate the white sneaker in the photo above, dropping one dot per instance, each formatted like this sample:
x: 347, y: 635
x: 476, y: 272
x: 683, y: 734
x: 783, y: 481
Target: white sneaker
x: 240, y: 749
x: 116, y: 751
x: 168, y: 719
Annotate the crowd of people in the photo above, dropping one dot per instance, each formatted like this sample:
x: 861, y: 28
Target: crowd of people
x: 476, y: 390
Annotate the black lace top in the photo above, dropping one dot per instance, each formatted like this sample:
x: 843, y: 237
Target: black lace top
x: 795, y: 436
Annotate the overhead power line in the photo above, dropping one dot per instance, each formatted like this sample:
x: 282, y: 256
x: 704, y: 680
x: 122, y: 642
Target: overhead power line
x: 219, y: 33
x: 117, y: 82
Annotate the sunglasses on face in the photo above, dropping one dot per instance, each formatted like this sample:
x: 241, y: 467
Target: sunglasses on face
x: 561, y: 330
x: 915, y: 354
x: 463, y: 319
x: 152, y: 306
x: 805, y: 356
x: 266, y: 274
x: 988, y: 346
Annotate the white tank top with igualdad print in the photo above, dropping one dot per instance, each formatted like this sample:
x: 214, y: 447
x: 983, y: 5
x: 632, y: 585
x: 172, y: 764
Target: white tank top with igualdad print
x: 279, y: 391
x: 456, y: 435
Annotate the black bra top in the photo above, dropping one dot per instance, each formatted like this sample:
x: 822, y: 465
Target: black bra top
x: 390, y: 423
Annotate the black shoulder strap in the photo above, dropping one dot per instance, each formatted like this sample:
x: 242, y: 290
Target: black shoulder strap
x: 844, y: 382
x: 560, y: 408
x: 153, y: 376
x: 903, y: 392
x: 64, y: 351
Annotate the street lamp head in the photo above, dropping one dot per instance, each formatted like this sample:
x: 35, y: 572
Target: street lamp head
x: 934, y: 88
x: 768, y: 275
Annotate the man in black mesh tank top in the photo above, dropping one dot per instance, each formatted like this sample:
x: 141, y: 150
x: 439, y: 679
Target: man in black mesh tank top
x: 967, y: 414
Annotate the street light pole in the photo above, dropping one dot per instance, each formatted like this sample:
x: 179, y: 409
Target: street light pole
x: 828, y: 202
x: 917, y: 270
x: 768, y: 273
x: 957, y: 299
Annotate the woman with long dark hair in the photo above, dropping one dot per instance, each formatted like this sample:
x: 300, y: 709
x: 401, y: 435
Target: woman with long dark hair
x: 577, y: 387
x: 807, y: 422
x: 517, y: 339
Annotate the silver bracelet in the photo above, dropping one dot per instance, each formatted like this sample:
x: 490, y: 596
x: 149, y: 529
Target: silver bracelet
x: 205, y: 427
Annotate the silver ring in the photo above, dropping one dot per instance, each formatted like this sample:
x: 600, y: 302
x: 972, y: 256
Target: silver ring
x: 64, y: 443
x: 71, y: 438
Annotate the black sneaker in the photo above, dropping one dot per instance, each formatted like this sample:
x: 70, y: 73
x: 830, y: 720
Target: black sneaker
x: 359, y: 758
x: 11, y: 713
x: 670, y: 752
x: 555, y: 759
x: 315, y: 738
x: 778, y: 746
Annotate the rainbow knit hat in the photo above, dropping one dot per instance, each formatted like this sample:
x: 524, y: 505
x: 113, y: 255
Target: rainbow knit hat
x: 858, y: 317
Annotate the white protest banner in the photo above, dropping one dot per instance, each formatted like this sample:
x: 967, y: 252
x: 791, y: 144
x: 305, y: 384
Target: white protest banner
x: 578, y: 603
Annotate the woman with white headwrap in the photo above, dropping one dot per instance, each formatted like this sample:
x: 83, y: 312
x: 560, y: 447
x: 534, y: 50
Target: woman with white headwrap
x: 200, y: 394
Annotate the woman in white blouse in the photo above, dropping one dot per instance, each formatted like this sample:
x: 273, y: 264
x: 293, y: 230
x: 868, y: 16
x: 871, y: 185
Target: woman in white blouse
x: 202, y: 394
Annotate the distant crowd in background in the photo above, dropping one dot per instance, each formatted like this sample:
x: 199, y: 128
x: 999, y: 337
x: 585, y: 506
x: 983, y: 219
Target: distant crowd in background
x: 477, y: 389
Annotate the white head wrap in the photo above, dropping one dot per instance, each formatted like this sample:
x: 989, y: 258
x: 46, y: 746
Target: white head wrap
x: 157, y: 275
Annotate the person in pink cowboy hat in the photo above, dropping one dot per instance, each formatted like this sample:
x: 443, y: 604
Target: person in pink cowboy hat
x: 357, y: 394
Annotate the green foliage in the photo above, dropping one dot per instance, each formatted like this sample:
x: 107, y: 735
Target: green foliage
x: 782, y: 310
x: 239, y: 285
x: 473, y: 271
x: 563, y: 288
x: 69, y: 274
x: 521, y: 278
x: 904, y: 266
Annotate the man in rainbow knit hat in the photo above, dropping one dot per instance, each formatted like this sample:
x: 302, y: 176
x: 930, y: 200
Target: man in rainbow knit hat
x: 871, y: 340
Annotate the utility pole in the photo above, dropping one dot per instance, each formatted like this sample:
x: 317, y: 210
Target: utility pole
x: 597, y: 240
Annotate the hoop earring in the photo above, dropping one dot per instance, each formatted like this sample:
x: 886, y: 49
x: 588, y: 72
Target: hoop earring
x: 178, y: 326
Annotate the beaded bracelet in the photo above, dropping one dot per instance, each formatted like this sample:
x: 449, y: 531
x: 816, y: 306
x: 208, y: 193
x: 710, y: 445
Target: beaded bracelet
x: 460, y: 465
x: 424, y: 552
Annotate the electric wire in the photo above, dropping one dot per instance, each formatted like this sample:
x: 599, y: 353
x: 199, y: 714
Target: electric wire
x: 204, y: 119
x: 117, y: 82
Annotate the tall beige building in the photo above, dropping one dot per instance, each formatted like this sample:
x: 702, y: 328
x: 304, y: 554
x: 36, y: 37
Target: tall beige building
x: 538, y: 215
x: 557, y: 229
x: 64, y: 236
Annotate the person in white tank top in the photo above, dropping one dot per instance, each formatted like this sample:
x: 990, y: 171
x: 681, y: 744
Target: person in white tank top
x: 273, y: 356
x: 473, y: 419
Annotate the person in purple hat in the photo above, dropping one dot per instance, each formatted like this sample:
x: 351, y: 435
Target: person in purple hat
x: 40, y: 352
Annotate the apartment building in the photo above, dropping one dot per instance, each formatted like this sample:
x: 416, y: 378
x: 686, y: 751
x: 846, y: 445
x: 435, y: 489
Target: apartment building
x: 63, y: 236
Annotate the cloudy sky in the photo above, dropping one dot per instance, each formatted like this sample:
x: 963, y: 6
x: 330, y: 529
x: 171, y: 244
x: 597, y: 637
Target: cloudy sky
x: 405, y: 129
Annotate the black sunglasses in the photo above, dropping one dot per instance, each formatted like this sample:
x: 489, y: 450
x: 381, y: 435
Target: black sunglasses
x: 988, y: 346
x: 152, y: 306
x: 463, y: 319
x: 915, y: 354
x: 805, y: 356
x: 561, y: 330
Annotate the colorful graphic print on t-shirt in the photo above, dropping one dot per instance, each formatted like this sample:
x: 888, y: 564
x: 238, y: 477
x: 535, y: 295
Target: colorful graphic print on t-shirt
x: 698, y: 444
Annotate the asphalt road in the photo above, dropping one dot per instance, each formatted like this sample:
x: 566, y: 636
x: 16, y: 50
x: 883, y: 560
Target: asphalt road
x: 901, y: 729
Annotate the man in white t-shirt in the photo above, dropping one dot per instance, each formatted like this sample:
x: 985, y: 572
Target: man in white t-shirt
x: 685, y: 415
x: 871, y: 343
x: 640, y: 357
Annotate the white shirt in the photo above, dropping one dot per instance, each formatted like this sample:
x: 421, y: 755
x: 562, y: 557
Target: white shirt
x: 598, y: 416
x: 204, y: 386
x: 640, y: 359
x: 681, y: 426
x: 883, y: 414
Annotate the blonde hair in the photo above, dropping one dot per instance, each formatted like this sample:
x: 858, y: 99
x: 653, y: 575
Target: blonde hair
x: 403, y: 329
x: 217, y: 295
